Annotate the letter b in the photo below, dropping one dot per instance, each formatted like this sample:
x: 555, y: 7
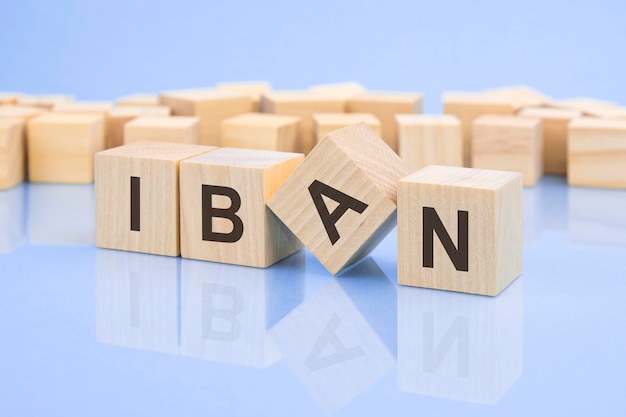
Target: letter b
x: 209, y: 212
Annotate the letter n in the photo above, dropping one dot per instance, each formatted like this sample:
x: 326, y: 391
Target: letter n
x: 459, y: 255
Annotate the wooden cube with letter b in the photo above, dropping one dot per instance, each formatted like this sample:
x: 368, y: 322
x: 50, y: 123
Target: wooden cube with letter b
x: 137, y: 196
x: 480, y: 210
x: 223, y: 213
x: 342, y: 200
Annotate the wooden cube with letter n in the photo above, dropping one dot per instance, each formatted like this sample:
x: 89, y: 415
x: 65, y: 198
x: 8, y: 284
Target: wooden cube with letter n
x: 342, y: 200
x: 223, y: 213
x: 137, y: 196
x: 460, y: 229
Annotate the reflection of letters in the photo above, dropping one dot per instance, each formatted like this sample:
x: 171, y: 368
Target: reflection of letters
x: 316, y: 361
x: 135, y: 299
x: 457, y: 332
x: 219, y: 319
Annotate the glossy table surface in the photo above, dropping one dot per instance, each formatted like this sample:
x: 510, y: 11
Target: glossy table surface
x: 87, y: 331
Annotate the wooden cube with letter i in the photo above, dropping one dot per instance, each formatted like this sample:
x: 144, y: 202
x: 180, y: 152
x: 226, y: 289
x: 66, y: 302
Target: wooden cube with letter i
x: 137, y: 196
x: 223, y: 213
x: 460, y: 229
x: 342, y: 200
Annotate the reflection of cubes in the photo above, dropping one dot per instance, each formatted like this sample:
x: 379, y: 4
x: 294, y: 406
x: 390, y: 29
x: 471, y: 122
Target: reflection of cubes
x: 532, y: 198
x: 11, y: 218
x: 332, y: 348
x: 60, y: 214
x: 597, y: 217
x: 137, y: 300
x: 226, y: 310
x: 458, y: 346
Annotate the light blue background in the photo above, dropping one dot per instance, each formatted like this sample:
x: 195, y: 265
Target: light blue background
x: 106, y: 49
x: 565, y: 313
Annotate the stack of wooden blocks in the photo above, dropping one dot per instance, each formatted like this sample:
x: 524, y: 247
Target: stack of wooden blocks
x: 244, y: 175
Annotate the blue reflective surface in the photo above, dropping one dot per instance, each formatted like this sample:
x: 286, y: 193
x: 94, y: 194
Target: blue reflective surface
x: 87, y: 331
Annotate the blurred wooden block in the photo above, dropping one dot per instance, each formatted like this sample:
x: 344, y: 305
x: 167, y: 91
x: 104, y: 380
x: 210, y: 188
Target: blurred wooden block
x: 429, y: 140
x: 223, y: 213
x: 520, y: 96
x: 261, y: 131
x: 45, y: 101
x: 343, y: 90
x: 303, y: 105
x: 138, y: 100
x: 119, y: 116
x: 385, y: 106
x: 89, y: 107
x: 596, y: 153
x: 8, y: 98
x: 210, y: 106
x: 469, y: 106
x: 588, y: 106
x: 174, y: 129
x: 509, y: 143
x: 252, y: 88
x: 137, y: 196
x: 61, y: 147
x: 555, y: 122
x: 11, y: 152
x: 327, y: 122
x: 477, y: 217
x: 23, y: 113
x: 342, y: 200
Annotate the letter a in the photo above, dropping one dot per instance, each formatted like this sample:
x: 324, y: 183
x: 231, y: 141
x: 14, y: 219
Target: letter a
x: 317, y: 189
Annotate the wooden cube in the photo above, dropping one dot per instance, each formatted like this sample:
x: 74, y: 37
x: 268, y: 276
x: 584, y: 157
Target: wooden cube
x: 175, y: 129
x: 555, y: 122
x: 45, y: 101
x: 138, y: 100
x: 480, y: 210
x: 467, y: 107
x: 209, y: 106
x: 342, y: 200
x: 429, y: 140
x: 385, y: 106
x: 11, y: 152
x: 61, y: 147
x: 91, y: 107
x: 9, y: 98
x: 137, y: 196
x: 223, y: 213
x: 588, y: 106
x: 509, y: 143
x: 24, y: 113
x: 343, y: 90
x: 252, y: 88
x: 327, y: 122
x: 596, y: 153
x: 12, y: 205
x: 119, y: 116
x: 303, y: 105
x: 520, y: 96
x: 271, y: 132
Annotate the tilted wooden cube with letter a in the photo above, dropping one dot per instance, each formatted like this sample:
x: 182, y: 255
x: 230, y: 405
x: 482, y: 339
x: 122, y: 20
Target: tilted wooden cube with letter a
x: 137, y: 197
x: 223, y: 213
x: 342, y: 200
x: 479, y: 209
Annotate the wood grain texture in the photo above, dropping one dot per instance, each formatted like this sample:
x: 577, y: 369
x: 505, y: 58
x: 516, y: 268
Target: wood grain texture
x: 596, y: 153
x: 208, y: 105
x: 119, y: 116
x: 156, y: 164
x: 358, y: 163
x: 509, y: 143
x: 493, y: 202
x: 302, y: 104
x: 429, y: 140
x: 45, y: 101
x: 61, y: 147
x: 12, y: 152
x: 385, y: 106
x: 327, y: 122
x: 467, y: 107
x: 138, y: 100
x: 254, y: 175
x: 174, y: 129
x: 252, y: 88
x: 555, y: 122
x: 261, y: 131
